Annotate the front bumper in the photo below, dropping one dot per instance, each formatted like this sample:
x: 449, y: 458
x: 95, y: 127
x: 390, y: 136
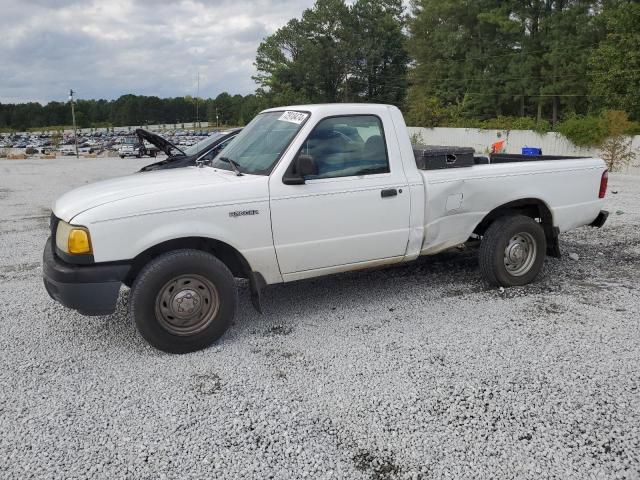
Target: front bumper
x: 89, y: 289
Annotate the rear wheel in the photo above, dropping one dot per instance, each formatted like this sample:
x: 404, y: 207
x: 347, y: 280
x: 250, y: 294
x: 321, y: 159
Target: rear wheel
x: 512, y: 251
x: 183, y: 301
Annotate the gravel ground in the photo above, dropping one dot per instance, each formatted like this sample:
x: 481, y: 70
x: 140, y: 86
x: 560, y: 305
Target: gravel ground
x: 417, y: 371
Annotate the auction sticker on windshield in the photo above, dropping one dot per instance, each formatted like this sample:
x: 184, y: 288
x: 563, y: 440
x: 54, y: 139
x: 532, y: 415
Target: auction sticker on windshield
x: 293, y: 117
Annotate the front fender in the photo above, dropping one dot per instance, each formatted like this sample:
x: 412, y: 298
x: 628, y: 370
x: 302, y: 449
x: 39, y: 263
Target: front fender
x: 123, y: 239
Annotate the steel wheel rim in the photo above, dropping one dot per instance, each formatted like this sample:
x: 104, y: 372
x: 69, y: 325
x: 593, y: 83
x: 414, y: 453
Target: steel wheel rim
x: 187, y: 304
x: 520, y: 254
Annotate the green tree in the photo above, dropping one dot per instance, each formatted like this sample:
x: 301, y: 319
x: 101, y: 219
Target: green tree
x: 460, y: 49
x: 378, y: 71
x: 504, y: 57
x: 127, y: 110
x: 306, y: 60
x: 336, y: 52
x: 616, y: 149
x: 570, y: 33
x: 615, y: 64
x: 225, y: 107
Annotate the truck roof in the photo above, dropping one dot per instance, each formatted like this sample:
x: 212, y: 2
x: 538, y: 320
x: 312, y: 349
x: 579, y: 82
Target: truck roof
x: 335, y: 108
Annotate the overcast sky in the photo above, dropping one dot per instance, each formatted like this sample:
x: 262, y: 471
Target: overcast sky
x: 106, y: 48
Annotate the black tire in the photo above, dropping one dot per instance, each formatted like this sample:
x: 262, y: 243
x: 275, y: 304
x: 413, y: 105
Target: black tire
x: 500, y: 239
x: 154, y: 313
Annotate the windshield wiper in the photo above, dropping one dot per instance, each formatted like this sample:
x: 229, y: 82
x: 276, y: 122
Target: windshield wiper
x: 233, y: 164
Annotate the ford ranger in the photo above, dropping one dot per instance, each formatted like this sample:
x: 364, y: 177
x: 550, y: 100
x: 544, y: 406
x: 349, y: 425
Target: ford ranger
x: 302, y: 192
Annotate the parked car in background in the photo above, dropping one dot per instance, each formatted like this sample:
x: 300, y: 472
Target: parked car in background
x: 134, y: 146
x: 86, y: 148
x: 203, y: 151
x: 68, y: 149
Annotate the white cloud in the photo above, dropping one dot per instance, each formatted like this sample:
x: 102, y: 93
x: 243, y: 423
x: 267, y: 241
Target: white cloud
x: 104, y: 49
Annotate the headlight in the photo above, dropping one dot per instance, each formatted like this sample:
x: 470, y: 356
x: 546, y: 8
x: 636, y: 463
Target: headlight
x: 73, y: 239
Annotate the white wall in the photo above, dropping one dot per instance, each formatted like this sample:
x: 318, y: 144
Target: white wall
x: 551, y: 143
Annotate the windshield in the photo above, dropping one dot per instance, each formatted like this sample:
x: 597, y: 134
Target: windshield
x: 259, y: 146
x: 203, y: 144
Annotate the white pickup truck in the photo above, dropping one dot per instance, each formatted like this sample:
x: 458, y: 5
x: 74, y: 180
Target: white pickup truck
x: 301, y: 192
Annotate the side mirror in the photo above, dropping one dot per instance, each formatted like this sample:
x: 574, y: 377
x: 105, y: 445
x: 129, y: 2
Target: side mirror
x: 303, y: 166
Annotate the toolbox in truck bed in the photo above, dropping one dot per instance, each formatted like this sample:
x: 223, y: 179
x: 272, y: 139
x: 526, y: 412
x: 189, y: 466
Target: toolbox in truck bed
x: 437, y: 157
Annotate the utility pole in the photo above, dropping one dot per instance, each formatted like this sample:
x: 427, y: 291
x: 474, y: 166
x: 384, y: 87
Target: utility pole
x: 217, y: 122
x: 197, y: 101
x: 73, y: 116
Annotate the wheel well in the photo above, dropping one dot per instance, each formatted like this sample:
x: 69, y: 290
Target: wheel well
x: 224, y: 252
x: 530, y: 207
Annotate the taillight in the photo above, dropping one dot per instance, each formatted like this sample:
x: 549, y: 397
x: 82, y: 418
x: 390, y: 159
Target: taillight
x: 604, y: 181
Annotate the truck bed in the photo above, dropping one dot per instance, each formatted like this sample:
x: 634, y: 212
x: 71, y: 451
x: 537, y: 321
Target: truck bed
x: 438, y: 162
x: 514, y: 158
x: 460, y: 197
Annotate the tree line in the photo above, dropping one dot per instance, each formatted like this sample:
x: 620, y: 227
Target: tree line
x: 527, y: 63
x: 543, y: 59
x: 225, y: 109
x: 534, y: 63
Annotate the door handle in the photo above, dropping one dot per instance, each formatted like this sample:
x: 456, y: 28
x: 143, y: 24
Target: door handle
x: 389, y: 192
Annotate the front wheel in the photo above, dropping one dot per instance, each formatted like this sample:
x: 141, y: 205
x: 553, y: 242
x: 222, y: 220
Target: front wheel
x: 512, y: 251
x: 183, y: 301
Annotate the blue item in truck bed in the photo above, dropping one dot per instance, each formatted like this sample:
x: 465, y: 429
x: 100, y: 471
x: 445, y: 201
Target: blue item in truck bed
x: 531, y: 151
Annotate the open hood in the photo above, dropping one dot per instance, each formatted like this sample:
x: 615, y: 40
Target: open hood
x: 156, y: 140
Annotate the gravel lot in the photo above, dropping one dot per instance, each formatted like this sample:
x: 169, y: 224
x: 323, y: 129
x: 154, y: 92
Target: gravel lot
x: 417, y: 371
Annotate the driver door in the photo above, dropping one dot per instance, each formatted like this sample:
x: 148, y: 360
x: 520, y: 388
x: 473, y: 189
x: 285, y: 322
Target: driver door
x: 356, y: 209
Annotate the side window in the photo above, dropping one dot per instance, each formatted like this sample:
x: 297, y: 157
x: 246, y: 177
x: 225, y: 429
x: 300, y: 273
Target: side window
x: 347, y: 147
